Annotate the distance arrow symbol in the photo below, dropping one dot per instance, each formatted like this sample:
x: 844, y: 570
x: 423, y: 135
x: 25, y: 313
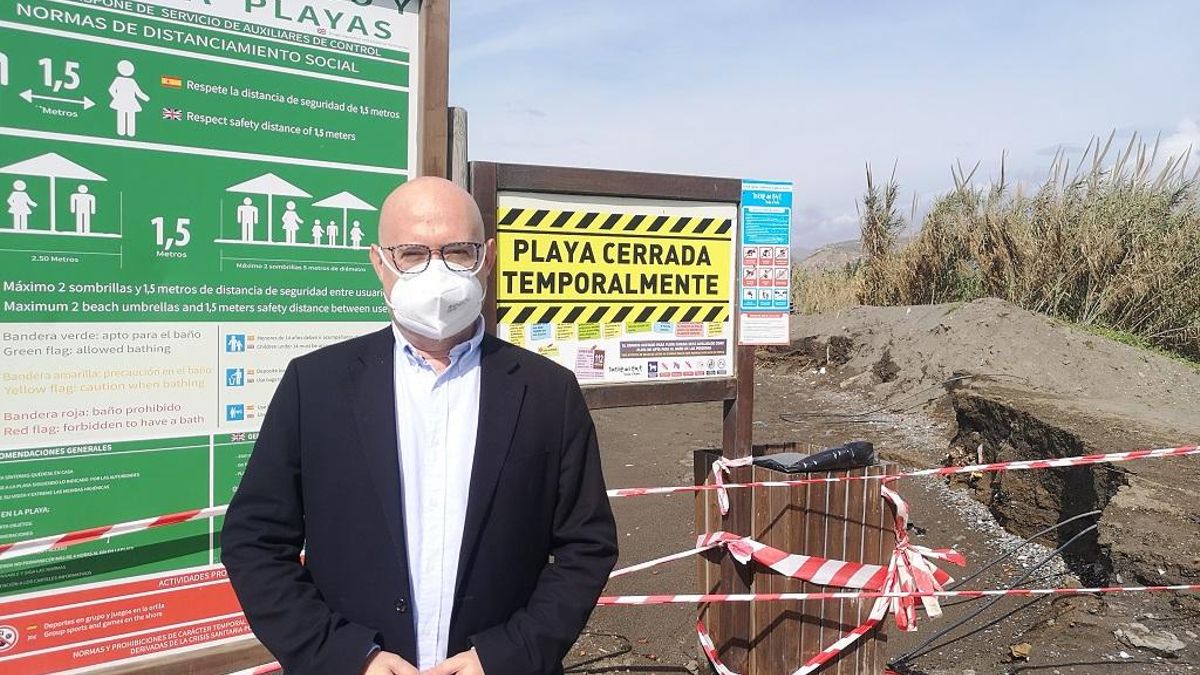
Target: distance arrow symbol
x: 29, y: 96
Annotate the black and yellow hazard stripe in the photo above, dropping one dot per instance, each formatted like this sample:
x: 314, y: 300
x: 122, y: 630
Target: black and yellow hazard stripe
x: 591, y: 222
x: 576, y: 313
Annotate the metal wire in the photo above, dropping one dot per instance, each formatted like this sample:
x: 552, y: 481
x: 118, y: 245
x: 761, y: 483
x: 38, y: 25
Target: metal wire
x: 1023, y: 544
x: 921, y: 649
x: 1027, y: 541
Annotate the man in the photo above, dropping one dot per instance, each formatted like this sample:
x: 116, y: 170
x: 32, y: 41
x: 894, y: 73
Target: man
x: 444, y: 484
x: 247, y: 217
x: 83, y: 205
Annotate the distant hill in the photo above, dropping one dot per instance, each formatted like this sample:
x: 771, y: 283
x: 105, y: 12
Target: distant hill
x: 837, y: 255
x: 833, y: 256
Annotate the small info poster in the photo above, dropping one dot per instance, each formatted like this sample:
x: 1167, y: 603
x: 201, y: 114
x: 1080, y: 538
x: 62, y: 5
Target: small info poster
x: 188, y: 191
x: 766, y: 263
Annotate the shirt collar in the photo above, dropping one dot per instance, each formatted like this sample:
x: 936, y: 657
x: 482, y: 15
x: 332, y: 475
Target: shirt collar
x: 458, y: 351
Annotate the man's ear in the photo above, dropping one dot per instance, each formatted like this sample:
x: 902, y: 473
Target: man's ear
x: 489, y: 257
x: 376, y: 261
x: 381, y: 270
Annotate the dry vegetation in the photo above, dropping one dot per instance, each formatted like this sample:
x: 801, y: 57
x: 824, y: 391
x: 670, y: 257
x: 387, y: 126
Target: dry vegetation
x: 1111, y: 245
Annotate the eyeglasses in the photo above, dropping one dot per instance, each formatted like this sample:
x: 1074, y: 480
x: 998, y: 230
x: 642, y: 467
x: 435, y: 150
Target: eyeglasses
x: 460, y: 256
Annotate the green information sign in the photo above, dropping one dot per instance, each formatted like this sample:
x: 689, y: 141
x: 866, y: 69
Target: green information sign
x: 188, y: 193
x: 42, y: 491
x: 163, y: 165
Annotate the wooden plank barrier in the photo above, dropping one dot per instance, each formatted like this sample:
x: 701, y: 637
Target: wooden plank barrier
x: 844, y: 521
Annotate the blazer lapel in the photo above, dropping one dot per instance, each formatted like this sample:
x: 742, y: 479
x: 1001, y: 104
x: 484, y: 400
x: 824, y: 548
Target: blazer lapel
x: 501, y: 395
x: 373, y: 393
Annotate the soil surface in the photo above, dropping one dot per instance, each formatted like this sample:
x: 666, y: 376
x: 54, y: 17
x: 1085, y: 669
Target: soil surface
x: 1026, y: 387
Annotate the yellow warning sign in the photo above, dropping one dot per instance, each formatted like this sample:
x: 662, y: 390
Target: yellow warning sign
x: 598, y: 312
x: 583, y: 266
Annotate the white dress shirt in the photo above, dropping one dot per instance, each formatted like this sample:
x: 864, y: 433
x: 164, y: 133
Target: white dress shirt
x: 437, y: 418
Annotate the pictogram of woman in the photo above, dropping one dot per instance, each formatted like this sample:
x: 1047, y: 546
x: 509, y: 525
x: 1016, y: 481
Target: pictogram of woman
x: 126, y: 94
x: 20, y: 206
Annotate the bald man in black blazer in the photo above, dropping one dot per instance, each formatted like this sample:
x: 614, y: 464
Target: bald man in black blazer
x: 538, y: 539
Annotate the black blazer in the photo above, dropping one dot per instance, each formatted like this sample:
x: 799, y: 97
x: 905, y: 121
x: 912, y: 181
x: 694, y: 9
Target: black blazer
x: 538, y: 544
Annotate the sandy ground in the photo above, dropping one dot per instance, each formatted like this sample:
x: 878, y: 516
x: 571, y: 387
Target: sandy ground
x: 653, y: 446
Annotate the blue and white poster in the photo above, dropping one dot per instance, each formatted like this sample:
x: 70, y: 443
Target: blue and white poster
x: 764, y: 299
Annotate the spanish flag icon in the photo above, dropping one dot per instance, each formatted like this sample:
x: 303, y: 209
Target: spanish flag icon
x: 172, y: 81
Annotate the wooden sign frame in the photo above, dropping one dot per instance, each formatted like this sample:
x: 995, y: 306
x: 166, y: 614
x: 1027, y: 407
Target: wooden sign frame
x: 735, y: 393
x: 488, y: 179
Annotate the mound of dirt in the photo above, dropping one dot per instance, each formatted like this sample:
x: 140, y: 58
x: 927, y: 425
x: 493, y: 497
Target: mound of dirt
x: 910, y: 348
x: 1017, y: 385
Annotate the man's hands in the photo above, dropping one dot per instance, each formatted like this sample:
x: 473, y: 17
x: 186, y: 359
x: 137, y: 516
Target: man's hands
x: 386, y: 663
x: 466, y: 663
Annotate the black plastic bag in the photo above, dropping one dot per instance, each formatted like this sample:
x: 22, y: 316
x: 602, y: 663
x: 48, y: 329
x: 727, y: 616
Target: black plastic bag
x: 852, y: 455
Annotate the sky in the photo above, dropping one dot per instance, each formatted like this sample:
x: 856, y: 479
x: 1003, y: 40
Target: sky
x: 814, y: 91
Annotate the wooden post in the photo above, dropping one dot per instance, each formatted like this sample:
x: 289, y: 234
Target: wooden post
x: 459, y: 168
x: 736, y: 442
x: 483, y: 188
x: 434, y: 88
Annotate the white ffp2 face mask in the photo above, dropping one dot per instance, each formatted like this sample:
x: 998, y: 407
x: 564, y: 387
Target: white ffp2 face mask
x: 435, y: 303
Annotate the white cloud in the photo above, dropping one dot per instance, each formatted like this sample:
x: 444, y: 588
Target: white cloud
x: 1185, y: 141
x: 814, y: 227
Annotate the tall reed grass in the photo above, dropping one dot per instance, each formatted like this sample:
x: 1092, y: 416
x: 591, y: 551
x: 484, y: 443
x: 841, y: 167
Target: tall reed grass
x: 1113, y: 243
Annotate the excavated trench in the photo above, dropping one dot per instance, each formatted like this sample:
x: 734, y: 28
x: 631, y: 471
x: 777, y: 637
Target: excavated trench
x: 991, y: 430
x: 1025, y: 502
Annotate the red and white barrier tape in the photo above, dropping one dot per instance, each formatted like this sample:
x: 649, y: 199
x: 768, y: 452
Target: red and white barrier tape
x: 721, y: 467
x: 909, y: 576
x: 913, y: 567
x: 878, y: 612
x: 909, y: 568
x: 719, y: 486
x: 827, y: 572
x: 710, y: 650
x: 665, y: 559
x: 824, y: 571
x: 59, y: 541
x: 909, y: 571
x: 613, y: 600
x: 839, y: 646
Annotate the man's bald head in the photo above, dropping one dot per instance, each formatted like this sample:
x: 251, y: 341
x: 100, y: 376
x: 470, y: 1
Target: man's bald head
x: 431, y: 211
